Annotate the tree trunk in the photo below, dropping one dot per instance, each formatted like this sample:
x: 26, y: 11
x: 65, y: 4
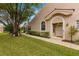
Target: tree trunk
x: 16, y: 29
x: 71, y: 39
x: 13, y: 31
x: 16, y: 22
x: 71, y: 36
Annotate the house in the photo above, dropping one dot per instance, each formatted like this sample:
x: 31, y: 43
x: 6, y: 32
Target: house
x: 1, y: 28
x: 56, y: 18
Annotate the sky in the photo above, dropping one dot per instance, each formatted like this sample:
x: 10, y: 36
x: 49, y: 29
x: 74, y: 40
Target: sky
x: 36, y: 12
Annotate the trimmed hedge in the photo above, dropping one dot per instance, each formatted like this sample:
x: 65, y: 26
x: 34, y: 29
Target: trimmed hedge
x: 42, y: 34
x: 34, y: 33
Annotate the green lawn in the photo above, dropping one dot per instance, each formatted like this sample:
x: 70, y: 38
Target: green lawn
x: 15, y: 46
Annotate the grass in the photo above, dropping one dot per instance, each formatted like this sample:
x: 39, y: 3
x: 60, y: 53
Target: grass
x: 27, y: 46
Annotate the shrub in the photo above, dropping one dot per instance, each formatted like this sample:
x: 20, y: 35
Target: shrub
x: 42, y: 34
x: 8, y: 28
x: 72, y: 32
x: 34, y: 33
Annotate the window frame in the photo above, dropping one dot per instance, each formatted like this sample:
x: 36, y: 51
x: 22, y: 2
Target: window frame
x: 77, y: 24
x: 43, y: 26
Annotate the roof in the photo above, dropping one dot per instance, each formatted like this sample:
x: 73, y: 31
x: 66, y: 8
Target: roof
x: 65, y: 12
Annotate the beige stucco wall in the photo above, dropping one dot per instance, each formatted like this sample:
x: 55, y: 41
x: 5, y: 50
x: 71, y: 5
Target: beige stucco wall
x: 1, y: 29
x: 70, y: 20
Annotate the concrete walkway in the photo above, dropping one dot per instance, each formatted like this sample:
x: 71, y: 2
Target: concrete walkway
x: 55, y: 40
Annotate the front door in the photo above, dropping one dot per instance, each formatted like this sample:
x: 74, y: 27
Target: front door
x: 58, y: 29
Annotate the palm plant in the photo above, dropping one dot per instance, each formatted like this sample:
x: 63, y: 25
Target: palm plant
x: 16, y: 14
x: 72, y: 32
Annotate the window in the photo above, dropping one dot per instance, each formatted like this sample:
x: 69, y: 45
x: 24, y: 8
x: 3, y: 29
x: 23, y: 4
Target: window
x: 43, y: 25
x: 29, y: 27
x: 77, y: 24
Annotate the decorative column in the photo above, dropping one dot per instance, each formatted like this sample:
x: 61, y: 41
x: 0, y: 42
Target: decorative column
x: 64, y: 29
x: 51, y: 30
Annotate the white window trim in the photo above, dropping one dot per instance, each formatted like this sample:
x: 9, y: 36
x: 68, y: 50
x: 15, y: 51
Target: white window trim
x: 40, y: 27
x: 76, y: 25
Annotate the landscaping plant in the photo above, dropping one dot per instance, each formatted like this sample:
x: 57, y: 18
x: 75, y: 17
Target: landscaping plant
x: 72, y: 32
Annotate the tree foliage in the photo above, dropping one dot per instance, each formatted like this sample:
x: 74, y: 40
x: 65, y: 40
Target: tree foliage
x: 16, y: 14
x: 72, y: 32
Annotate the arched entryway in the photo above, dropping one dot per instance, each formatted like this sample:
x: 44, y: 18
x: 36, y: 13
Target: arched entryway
x: 57, y: 27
